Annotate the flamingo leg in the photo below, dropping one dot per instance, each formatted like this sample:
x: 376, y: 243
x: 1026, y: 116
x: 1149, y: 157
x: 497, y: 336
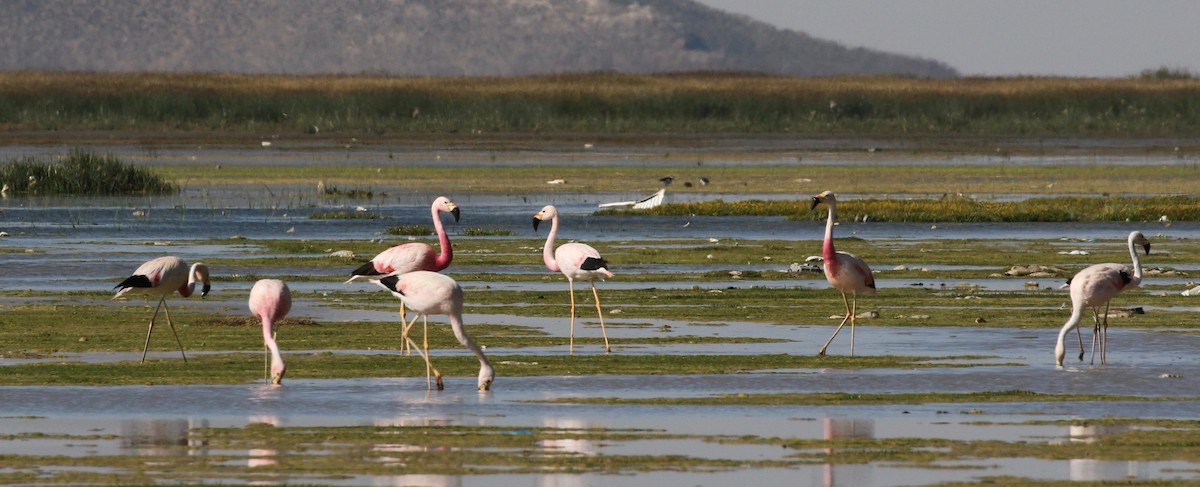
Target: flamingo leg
x: 404, y: 331
x: 1095, y: 334
x: 571, y: 289
x: 1104, y: 337
x: 853, y: 319
x: 607, y: 349
x: 167, y: 311
x: 428, y: 365
x: 151, y: 330
x: 425, y: 332
x: 1080, y: 336
x: 839, y: 328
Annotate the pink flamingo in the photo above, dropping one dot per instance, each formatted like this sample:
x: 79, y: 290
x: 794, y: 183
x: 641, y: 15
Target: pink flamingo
x: 415, y: 256
x: 270, y: 301
x: 575, y: 261
x: 1095, y: 286
x: 844, y: 271
x: 161, y: 277
x: 429, y: 293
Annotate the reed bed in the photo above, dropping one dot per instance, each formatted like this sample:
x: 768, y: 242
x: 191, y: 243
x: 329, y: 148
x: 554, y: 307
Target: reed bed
x: 81, y: 173
x: 687, y: 102
x: 1052, y: 209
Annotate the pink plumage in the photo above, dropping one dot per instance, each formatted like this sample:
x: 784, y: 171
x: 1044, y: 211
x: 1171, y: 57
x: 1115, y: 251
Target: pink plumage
x: 1095, y: 286
x: 270, y: 301
x: 415, y: 256
x: 575, y: 261
x: 160, y: 277
x: 845, y: 271
x: 430, y: 293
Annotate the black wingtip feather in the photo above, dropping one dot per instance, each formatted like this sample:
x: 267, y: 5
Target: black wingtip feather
x: 390, y: 283
x: 135, y: 281
x: 367, y: 269
x: 593, y: 263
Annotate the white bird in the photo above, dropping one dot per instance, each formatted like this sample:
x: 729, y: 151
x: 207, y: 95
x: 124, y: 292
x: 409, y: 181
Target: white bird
x: 430, y: 293
x: 646, y: 203
x: 161, y: 277
x: 1096, y: 286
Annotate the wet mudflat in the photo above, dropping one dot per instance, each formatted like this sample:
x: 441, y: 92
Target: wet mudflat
x: 659, y: 427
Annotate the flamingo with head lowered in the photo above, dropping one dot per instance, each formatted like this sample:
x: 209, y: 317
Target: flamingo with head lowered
x: 1096, y: 286
x: 575, y: 261
x: 430, y: 293
x: 270, y: 301
x: 160, y: 277
x: 844, y: 271
x: 414, y: 256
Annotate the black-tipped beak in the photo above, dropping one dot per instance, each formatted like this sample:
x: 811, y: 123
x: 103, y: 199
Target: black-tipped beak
x: 536, y: 222
x: 204, y: 291
x: 1147, y: 247
x: 815, y: 201
x: 456, y: 213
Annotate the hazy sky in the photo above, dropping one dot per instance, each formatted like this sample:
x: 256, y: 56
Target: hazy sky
x: 1002, y: 37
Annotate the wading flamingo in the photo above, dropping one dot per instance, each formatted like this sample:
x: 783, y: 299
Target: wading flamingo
x: 576, y: 261
x: 430, y: 293
x: 270, y: 301
x: 161, y: 277
x: 844, y: 271
x: 1096, y: 286
x: 415, y: 256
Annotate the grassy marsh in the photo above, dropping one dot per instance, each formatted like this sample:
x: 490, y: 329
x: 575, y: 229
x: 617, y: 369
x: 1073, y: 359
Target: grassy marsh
x: 600, y: 102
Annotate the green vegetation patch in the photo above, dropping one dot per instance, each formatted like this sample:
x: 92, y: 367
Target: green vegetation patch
x: 81, y: 173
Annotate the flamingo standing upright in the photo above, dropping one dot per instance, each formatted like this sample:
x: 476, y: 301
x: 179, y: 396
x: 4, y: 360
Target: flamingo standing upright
x: 414, y: 256
x: 270, y: 301
x: 575, y: 261
x: 844, y: 271
x: 430, y: 293
x: 161, y: 277
x: 1095, y: 286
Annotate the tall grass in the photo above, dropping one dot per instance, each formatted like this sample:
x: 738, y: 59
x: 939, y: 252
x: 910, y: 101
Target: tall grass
x: 81, y: 173
x: 1056, y: 209
x: 701, y: 102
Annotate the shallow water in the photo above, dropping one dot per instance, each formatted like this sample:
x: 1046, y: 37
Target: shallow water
x: 90, y: 243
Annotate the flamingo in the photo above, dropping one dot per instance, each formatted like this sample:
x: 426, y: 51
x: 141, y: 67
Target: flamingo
x: 1096, y: 286
x: 427, y: 293
x: 161, y: 277
x: 415, y: 256
x: 575, y: 261
x: 270, y: 301
x: 844, y: 271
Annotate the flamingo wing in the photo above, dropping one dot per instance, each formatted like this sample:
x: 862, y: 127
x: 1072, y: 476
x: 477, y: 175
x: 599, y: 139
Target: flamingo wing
x: 1099, y: 283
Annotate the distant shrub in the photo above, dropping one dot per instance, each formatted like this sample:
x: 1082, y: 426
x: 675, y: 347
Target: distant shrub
x: 414, y: 230
x: 343, y: 215
x: 488, y: 232
x: 82, y: 173
x: 1165, y: 73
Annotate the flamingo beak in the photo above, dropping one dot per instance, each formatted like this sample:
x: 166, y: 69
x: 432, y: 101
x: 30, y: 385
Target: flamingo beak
x: 1147, y: 247
x: 816, y: 200
x: 277, y: 379
x: 536, y: 222
x: 454, y: 211
x: 204, y: 290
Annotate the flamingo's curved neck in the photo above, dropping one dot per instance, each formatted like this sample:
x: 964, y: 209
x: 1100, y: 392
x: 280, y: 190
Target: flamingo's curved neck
x: 1137, y: 262
x: 548, y: 250
x: 446, y: 253
x: 187, y: 289
x: 457, y: 325
x: 827, y: 250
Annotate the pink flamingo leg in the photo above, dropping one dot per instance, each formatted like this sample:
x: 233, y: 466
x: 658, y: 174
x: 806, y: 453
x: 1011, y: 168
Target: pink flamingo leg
x: 571, y: 290
x: 607, y: 349
x: 849, y: 316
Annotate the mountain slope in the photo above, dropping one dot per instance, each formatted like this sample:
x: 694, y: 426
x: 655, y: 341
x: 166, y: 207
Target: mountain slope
x: 418, y: 37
